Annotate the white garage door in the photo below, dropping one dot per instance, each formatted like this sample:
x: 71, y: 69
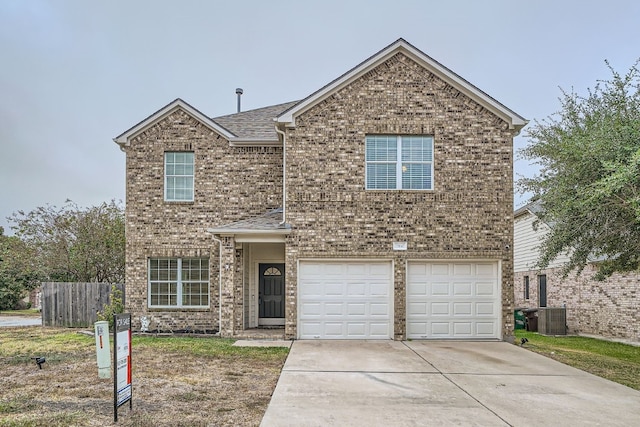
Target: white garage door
x: 345, y: 300
x: 453, y: 300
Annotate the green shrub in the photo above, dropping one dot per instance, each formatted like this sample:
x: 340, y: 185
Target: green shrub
x: 115, y: 306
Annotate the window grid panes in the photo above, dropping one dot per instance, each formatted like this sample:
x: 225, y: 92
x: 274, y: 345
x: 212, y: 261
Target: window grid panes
x: 178, y: 282
x: 178, y: 176
x: 399, y: 162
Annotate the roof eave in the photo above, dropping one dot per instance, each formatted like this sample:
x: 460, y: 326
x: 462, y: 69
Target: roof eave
x: 232, y: 232
x: 257, y: 142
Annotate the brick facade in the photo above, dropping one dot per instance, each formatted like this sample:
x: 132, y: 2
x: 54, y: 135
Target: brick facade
x: 610, y: 308
x: 230, y: 184
x: 468, y: 214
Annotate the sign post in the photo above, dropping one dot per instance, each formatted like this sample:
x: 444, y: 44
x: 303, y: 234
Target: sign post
x: 122, y: 389
x: 103, y: 349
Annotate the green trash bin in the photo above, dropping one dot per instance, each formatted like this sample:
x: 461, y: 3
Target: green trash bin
x: 519, y: 317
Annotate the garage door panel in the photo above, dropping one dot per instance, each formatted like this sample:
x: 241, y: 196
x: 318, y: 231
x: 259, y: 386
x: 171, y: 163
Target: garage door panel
x: 485, y: 309
x: 356, y: 309
x: 438, y: 288
x: 311, y: 309
x: 334, y: 289
x: 332, y: 329
x: 453, y: 299
x: 355, y: 300
x: 462, y: 289
x: 440, y: 329
x: 378, y: 310
x: 462, y: 309
x: 440, y: 309
x: 333, y: 309
x: 485, y: 289
x: 462, y: 269
x: 438, y: 269
x: 462, y: 329
x: 356, y: 289
x: 486, y: 270
x: 485, y: 329
x: 415, y: 309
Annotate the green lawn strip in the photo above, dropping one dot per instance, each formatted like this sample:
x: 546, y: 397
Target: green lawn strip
x: 20, y: 313
x: 208, y: 347
x: 18, y: 345
x: 615, y: 361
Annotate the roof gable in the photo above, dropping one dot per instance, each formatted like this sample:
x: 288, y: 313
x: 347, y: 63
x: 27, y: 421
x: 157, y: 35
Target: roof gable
x: 514, y: 120
x: 178, y: 104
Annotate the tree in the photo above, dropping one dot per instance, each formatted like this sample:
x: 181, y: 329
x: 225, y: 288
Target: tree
x: 18, y: 273
x: 589, y: 185
x: 72, y: 244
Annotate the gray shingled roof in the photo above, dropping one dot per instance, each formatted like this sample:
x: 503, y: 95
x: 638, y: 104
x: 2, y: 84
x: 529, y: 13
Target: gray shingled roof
x: 268, y: 222
x: 254, y: 124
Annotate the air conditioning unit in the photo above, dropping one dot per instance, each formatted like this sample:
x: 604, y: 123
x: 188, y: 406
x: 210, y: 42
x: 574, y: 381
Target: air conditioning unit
x: 552, y: 320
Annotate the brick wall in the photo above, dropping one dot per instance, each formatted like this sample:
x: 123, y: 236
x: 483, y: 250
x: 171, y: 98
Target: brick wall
x: 610, y: 308
x: 469, y: 214
x: 231, y: 183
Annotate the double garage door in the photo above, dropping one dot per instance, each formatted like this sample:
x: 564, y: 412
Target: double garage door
x: 354, y: 300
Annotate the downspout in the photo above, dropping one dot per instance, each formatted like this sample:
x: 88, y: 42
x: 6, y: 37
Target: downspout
x: 219, y: 285
x: 284, y: 176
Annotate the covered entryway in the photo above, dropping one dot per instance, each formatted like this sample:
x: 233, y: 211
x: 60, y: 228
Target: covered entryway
x: 345, y: 299
x: 453, y: 299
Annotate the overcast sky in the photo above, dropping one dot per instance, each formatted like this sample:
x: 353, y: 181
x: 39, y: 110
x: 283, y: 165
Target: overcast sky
x: 76, y: 73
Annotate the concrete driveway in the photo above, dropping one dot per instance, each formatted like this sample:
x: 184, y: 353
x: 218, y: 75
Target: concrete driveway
x: 440, y: 383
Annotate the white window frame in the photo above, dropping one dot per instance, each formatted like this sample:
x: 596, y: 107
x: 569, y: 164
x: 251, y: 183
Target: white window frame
x: 167, y: 176
x: 179, y: 284
x: 399, y: 164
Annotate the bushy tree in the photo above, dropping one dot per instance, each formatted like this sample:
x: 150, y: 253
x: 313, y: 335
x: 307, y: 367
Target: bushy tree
x: 18, y: 272
x: 72, y: 244
x: 589, y: 181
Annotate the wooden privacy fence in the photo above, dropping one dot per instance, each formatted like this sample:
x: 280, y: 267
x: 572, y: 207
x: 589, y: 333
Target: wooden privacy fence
x: 74, y: 305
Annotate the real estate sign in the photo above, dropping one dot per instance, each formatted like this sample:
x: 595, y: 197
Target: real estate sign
x: 122, y: 389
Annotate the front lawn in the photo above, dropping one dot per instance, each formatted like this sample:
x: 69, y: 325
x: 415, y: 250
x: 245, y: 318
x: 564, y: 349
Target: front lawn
x: 177, y: 381
x: 615, y: 361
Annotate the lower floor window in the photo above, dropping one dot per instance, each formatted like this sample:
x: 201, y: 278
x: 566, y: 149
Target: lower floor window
x: 178, y: 282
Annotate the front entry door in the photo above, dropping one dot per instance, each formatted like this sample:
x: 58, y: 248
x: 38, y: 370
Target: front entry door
x: 271, y: 294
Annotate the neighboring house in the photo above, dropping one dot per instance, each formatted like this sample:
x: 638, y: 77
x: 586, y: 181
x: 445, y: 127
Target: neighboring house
x: 379, y: 207
x: 609, y: 308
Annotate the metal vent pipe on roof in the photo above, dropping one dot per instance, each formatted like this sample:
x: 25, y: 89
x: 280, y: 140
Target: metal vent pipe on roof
x: 239, y: 93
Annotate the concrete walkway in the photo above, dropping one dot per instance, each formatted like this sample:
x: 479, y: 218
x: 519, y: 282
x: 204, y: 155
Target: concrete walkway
x: 440, y: 383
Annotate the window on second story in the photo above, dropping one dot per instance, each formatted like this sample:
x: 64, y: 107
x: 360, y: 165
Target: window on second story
x: 178, y: 176
x: 399, y: 162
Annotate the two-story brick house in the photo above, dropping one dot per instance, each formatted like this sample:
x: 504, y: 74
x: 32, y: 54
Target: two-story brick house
x: 378, y: 207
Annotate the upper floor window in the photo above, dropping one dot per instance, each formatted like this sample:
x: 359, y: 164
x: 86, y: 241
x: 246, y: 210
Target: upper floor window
x: 178, y: 176
x: 399, y: 162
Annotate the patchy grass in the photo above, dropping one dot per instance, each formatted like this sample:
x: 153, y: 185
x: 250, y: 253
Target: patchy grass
x: 611, y: 360
x: 177, y: 381
x: 21, y: 313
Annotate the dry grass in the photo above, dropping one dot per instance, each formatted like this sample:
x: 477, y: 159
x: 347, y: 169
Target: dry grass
x: 177, y: 381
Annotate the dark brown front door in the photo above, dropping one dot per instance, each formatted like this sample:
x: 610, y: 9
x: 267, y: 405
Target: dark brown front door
x: 271, y: 294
